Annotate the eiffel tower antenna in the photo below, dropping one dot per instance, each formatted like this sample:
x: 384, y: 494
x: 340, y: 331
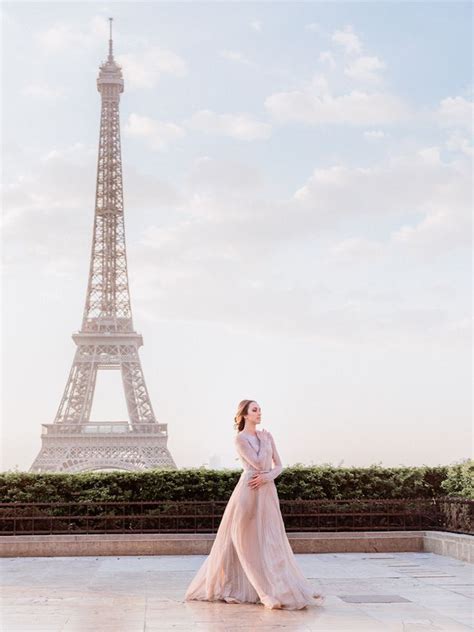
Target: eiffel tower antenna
x: 107, y: 339
x: 111, y: 54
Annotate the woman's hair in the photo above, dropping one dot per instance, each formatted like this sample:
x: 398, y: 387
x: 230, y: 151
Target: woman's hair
x: 242, y: 410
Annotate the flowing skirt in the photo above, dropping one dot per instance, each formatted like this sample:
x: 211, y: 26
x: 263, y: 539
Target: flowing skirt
x: 251, y: 559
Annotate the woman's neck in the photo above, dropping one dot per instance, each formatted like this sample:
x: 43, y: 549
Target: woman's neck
x: 250, y: 431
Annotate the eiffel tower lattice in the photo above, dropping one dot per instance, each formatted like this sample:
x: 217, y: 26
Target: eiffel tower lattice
x: 107, y: 339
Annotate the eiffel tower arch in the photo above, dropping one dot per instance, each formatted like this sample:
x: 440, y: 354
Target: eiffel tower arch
x: 107, y: 339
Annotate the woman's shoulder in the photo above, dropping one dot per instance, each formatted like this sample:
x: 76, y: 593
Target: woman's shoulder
x: 240, y: 436
x: 260, y: 433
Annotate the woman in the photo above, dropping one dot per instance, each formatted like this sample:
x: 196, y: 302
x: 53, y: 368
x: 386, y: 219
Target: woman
x: 251, y: 559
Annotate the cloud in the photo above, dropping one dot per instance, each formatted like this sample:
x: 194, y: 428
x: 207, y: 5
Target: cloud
x: 205, y: 270
x: 434, y: 193
x: 213, y: 176
x: 318, y: 86
x: 43, y: 91
x: 354, y: 108
x: 235, y: 55
x: 228, y: 220
x: 354, y: 249
x: 256, y: 25
x: 313, y: 27
x: 455, y: 112
x: 148, y: 191
x: 157, y: 134
x: 446, y: 223
x: 142, y: 69
x: 63, y: 36
x: 441, y: 230
x: 55, y: 182
x: 58, y: 37
x: 145, y: 69
x: 241, y: 126
x: 316, y: 103
x: 233, y: 257
x: 348, y: 39
x: 457, y: 142
x: 361, y: 68
x: 49, y: 207
x: 327, y: 57
x: 365, y: 69
x: 375, y: 134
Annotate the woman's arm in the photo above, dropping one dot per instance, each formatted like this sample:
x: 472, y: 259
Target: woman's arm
x: 248, y: 453
x: 277, y: 470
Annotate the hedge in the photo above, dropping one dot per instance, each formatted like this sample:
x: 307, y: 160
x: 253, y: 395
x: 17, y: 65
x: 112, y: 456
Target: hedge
x: 298, y: 482
x: 459, y: 481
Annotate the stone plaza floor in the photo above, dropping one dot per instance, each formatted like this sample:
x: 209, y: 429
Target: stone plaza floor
x: 393, y: 592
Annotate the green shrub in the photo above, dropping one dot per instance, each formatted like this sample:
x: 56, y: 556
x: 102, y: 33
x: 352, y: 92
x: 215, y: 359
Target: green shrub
x: 296, y: 482
x: 459, y: 481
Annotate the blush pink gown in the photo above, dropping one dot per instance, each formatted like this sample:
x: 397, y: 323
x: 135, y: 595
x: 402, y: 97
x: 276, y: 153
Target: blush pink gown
x: 251, y: 559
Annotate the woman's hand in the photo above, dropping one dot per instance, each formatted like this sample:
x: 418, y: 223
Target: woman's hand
x: 256, y: 481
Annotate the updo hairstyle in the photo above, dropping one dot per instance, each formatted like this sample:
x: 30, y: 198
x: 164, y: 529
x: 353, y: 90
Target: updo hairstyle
x: 242, y: 410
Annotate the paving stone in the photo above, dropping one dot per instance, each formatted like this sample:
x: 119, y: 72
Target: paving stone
x: 373, y: 598
x: 401, y: 592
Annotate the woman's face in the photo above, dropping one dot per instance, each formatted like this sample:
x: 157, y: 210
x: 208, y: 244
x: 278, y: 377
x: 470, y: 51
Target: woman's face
x: 254, y: 413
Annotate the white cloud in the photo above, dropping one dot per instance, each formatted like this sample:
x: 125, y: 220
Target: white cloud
x: 235, y: 55
x: 232, y: 243
x: 58, y: 37
x: 241, y: 126
x: 157, y: 134
x: 354, y: 108
x: 365, y: 69
x: 456, y: 112
x: 355, y: 249
x: 375, y: 134
x: 76, y: 153
x: 318, y: 86
x: 217, y: 270
x: 420, y: 185
x: 327, y: 57
x: 235, y: 245
x: 62, y: 36
x: 144, y: 69
x: 459, y: 142
x: 100, y: 29
x: 47, y: 209
x: 148, y: 191
x: 44, y: 200
x: 214, y: 176
x: 313, y: 27
x: 348, y: 39
x: 438, y: 231
x: 229, y: 221
x: 447, y: 215
x: 43, y: 91
x: 256, y: 25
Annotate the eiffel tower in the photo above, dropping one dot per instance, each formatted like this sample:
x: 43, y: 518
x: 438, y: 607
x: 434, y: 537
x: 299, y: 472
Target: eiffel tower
x: 107, y: 339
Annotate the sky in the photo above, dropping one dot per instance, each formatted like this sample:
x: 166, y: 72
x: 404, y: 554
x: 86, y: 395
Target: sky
x: 297, y: 190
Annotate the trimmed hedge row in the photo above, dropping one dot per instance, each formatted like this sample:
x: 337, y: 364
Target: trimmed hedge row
x: 459, y: 481
x: 296, y: 482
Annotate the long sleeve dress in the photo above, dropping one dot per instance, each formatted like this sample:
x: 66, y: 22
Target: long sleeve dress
x: 251, y: 559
